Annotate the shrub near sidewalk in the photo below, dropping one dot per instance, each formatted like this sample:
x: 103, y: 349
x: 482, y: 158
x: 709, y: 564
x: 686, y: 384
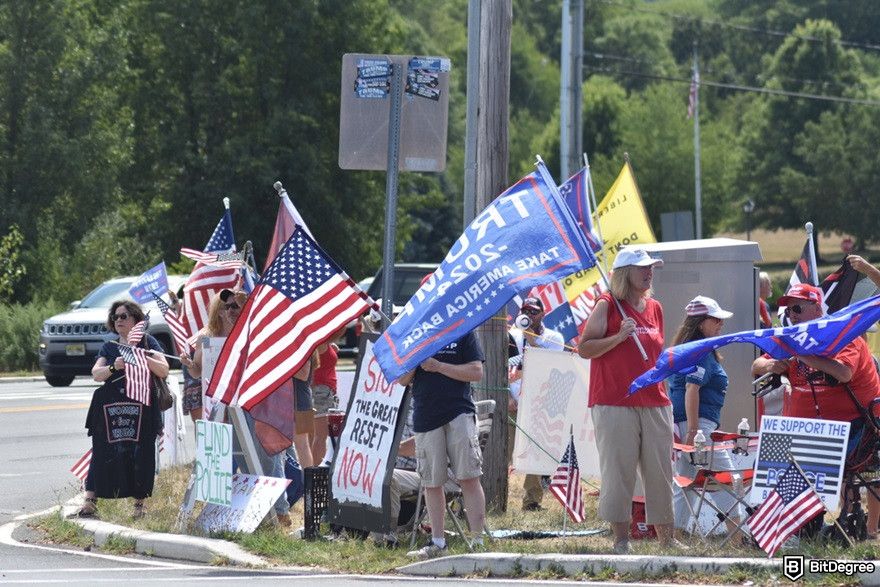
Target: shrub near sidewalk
x: 20, y: 326
x: 362, y: 556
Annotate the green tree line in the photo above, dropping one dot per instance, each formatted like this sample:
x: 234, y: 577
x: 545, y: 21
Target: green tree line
x: 124, y: 123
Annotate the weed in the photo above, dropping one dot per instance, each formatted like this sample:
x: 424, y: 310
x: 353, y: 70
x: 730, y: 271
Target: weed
x: 59, y: 530
x: 117, y: 544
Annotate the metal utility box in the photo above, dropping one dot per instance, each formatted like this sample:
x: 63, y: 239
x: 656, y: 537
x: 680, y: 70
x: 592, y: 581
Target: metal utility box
x: 723, y: 269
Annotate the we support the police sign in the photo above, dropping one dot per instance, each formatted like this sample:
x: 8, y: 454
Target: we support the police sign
x: 526, y: 237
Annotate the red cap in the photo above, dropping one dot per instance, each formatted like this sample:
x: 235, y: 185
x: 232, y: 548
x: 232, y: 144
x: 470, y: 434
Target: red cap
x: 801, y: 291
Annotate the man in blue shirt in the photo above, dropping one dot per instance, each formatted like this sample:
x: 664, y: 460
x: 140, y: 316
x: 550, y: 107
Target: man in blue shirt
x: 444, y: 422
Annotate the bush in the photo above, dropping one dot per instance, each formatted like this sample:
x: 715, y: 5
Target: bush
x: 20, y: 334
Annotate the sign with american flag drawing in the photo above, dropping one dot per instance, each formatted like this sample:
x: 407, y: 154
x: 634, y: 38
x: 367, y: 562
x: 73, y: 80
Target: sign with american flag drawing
x: 819, y: 447
x: 553, y: 400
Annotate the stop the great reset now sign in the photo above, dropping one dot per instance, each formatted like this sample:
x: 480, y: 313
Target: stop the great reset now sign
x: 368, y: 437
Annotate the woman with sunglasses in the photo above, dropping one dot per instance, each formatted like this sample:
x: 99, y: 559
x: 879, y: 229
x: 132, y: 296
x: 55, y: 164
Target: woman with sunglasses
x: 697, y: 399
x: 123, y: 430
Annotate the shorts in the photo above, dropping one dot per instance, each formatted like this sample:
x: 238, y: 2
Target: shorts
x: 324, y: 398
x: 455, y: 446
x: 192, y: 397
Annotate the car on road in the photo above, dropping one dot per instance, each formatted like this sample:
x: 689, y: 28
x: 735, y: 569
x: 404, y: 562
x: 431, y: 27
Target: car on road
x: 407, y: 279
x: 70, y: 341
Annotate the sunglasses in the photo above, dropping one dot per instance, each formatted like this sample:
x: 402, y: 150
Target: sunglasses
x: 122, y: 316
x: 797, y: 308
x: 231, y: 306
x: 530, y: 311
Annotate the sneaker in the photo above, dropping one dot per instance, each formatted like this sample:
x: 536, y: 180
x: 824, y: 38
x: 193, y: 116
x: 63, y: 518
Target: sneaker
x: 430, y: 550
x: 621, y: 547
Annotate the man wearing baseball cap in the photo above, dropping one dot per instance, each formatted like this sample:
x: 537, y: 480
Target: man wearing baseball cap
x: 531, y: 332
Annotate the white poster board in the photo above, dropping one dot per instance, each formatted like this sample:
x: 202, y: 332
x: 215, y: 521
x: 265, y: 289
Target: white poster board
x: 211, y: 347
x: 171, y: 448
x: 213, y: 469
x: 819, y: 446
x: 252, y: 496
x: 552, y: 401
x: 368, y: 437
x: 344, y: 383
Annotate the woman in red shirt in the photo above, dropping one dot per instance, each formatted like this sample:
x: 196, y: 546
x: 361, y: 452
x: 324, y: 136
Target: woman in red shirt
x: 632, y: 431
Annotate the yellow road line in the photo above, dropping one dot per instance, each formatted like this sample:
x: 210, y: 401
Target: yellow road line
x: 42, y: 408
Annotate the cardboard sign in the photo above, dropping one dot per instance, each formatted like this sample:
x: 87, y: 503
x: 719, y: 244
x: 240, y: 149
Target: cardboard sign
x: 553, y: 399
x: 819, y: 446
x: 252, y: 496
x: 213, y: 468
x: 211, y: 348
x: 367, y: 439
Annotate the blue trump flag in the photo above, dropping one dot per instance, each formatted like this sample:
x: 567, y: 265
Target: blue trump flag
x: 825, y: 336
x: 577, y: 197
x: 526, y: 237
x: 152, y: 281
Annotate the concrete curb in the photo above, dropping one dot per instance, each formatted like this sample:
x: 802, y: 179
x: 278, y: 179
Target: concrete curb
x: 172, y: 546
x: 512, y: 564
x: 27, y: 379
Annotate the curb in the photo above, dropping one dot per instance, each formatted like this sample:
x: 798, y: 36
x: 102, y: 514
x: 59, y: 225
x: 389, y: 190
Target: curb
x: 171, y: 546
x: 27, y: 379
x: 511, y: 564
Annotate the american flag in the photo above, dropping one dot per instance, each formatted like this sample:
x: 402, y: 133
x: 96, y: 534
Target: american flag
x: 81, y: 468
x: 288, y: 218
x: 549, y: 407
x: 302, y: 299
x: 820, y: 455
x: 692, y: 96
x: 791, y: 505
x: 566, y: 484
x: 213, y: 259
x: 137, y: 373
x: 207, y: 279
x: 136, y: 334
x: 178, y: 330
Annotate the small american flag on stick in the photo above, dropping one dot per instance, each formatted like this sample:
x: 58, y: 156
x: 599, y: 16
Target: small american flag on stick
x: 178, y: 330
x: 81, y: 468
x: 137, y: 373
x: 566, y: 484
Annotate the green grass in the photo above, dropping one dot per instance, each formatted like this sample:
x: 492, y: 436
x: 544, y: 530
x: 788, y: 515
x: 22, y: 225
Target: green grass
x: 58, y: 530
x: 117, y: 544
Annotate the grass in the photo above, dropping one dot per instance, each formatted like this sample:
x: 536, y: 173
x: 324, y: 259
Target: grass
x: 58, y: 530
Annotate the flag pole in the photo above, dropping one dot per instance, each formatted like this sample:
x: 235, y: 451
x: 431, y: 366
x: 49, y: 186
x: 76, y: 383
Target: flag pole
x: 813, y: 489
x: 568, y: 485
x: 809, y: 228
x: 117, y: 343
x: 698, y: 191
x: 592, y: 197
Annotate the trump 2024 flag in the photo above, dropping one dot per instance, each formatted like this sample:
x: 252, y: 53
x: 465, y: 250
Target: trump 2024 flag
x: 526, y: 237
x: 302, y: 299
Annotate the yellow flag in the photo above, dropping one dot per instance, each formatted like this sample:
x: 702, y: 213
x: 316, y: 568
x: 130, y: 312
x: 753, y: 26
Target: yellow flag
x: 623, y: 220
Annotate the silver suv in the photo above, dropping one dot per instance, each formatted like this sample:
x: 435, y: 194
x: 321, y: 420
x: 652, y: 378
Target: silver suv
x: 69, y: 342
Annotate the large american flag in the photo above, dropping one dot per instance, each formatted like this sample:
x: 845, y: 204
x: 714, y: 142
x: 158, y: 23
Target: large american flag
x: 137, y: 373
x: 566, y: 484
x: 178, y: 330
x: 791, y: 505
x: 207, y: 279
x: 302, y: 299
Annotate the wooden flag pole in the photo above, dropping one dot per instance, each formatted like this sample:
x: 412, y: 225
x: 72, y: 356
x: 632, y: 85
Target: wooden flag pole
x: 813, y: 489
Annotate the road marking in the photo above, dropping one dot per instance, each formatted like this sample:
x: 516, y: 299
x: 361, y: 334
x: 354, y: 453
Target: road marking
x: 42, y: 408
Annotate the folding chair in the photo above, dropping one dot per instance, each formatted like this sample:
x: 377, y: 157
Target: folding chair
x: 485, y: 411
x: 709, y: 480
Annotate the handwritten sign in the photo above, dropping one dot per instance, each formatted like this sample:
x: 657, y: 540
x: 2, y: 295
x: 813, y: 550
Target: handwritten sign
x: 213, y: 470
x: 123, y: 421
x: 368, y: 436
x: 252, y: 496
x: 819, y: 446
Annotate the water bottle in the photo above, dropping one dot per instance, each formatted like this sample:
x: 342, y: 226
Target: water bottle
x: 742, y: 443
x: 701, y: 456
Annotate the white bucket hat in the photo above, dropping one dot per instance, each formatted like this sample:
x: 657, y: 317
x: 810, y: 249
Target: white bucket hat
x: 705, y: 306
x: 638, y: 257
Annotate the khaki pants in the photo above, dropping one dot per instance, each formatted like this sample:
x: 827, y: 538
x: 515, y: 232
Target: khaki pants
x: 629, y: 439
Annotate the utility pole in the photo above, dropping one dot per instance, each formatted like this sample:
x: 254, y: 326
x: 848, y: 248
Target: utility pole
x: 492, y: 162
x: 571, y: 69
x: 698, y: 191
x: 473, y: 104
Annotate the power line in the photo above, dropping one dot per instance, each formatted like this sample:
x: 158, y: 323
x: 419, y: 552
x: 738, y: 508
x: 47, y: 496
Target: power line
x: 743, y: 28
x: 738, y: 87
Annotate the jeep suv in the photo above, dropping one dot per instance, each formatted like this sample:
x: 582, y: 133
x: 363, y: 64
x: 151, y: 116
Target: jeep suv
x: 69, y: 342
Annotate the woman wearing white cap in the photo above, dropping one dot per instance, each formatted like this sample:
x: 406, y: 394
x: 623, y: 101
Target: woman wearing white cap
x: 697, y: 399
x: 633, y: 432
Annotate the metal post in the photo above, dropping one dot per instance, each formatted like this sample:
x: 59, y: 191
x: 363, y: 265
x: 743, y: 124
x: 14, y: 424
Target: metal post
x: 391, y: 189
x: 577, y: 80
x: 473, y: 104
x: 565, y: 94
x: 698, y: 195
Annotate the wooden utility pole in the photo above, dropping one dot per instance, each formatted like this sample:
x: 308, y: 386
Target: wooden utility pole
x: 492, y: 161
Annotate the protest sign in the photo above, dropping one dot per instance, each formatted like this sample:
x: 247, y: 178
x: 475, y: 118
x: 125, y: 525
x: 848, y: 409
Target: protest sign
x: 213, y: 468
x: 211, y: 348
x: 152, y: 282
x: 364, y: 461
x: 252, y: 496
x: 819, y: 446
x: 552, y: 401
x: 172, y: 450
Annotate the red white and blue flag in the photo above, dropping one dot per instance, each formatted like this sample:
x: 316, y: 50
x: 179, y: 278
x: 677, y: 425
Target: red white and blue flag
x: 209, y: 276
x: 577, y: 195
x: 302, y: 299
x: 81, y: 467
x: 566, y: 484
x: 791, y: 505
x: 178, y: 330
x: 137, y: 373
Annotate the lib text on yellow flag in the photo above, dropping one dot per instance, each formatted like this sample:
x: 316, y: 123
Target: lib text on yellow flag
x: 623, y: 221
